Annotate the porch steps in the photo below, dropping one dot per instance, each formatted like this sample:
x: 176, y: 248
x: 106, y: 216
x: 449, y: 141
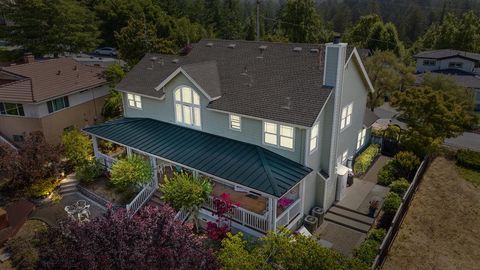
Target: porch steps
x: 349, y: 218
x: 68, y: 185
x: 156, y: 199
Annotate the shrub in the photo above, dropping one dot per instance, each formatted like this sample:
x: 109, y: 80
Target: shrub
x: 364, y: 160
x: 387, y: 174
x: 392, y: 203
x: 77, y: 147
x: 392, y: 132
x: 24, y: 253
x: 406, y: 163
x: 43, y: 188
x: 469, y: 159
x: 88, y: 171
x: 377, y: 132
x: 130, y: 172
x: 377, y: 235
x: 399, y: 186
x: 367, y: 251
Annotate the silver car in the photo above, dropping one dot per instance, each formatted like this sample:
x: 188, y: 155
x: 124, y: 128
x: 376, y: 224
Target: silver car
x: 106, y: 51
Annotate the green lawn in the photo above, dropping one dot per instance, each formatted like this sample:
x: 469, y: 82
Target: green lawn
x: 470, y: 175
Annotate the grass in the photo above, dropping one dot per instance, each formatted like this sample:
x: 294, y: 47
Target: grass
x: 469, y: 175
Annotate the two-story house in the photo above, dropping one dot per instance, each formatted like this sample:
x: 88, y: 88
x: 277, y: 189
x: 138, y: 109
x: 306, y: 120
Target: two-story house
x: 270, y: 124
x: 463, y: 67
x: 49, y: 96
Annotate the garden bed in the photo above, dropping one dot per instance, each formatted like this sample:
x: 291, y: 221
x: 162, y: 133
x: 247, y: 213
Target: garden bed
x: 103, y: 188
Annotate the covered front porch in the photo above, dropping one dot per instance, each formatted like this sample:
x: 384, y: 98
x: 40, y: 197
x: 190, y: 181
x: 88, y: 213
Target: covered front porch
x: 249, y: 174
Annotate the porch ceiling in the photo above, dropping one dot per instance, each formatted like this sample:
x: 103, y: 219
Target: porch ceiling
x: 246, y: 164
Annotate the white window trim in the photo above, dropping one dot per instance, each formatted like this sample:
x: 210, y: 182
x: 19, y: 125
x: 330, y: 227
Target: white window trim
x: 239, y: 122
x: 361, y: 138
x: 134, y: 101
x: 192, y: 105
x: 278, y: 136
x: 315, y: 127
x: 347, y: 117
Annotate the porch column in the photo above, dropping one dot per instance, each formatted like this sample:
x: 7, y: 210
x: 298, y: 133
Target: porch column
x: 272, y: 202
x: 302, y: 195
x: 95, y: 147
x: 129, y: 151
x: 153, y: 162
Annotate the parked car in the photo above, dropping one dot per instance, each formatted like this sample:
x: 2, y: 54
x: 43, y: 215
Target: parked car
x: 106, y: 51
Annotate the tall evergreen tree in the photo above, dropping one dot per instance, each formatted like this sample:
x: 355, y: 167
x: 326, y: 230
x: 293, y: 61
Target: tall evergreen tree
x: 51, y: 26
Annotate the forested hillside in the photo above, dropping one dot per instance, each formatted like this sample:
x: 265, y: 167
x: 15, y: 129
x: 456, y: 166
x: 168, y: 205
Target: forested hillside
x: 138, y: 26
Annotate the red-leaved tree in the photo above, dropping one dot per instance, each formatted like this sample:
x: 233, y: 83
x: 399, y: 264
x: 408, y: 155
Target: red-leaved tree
x: 152, y: 239
x: 223, y: 210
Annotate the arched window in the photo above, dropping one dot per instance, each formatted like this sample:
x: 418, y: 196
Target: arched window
x: 187, y: 107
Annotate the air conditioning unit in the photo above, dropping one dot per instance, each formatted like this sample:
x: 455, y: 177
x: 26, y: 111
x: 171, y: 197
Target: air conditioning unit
x: 318, y: 212
x: 310, y: 222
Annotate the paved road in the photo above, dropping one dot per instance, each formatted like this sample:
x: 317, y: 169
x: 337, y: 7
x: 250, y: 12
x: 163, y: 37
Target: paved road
x: 466, y: 141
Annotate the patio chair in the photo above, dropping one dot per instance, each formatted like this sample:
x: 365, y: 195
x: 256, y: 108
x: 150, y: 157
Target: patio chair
x: 82, y: 204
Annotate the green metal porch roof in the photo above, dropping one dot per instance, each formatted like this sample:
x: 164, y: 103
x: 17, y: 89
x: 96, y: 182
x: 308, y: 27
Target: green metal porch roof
x: 242, y: 163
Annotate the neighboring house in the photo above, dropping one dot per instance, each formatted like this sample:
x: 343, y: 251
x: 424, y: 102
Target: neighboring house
x: 463, y: 67
x: 269, y: 123
x: 49, y: 96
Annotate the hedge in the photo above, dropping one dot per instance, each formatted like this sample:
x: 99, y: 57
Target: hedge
x: 406, y: 163
x: 367, y: 251
x: 399, y: 186
x: 469, y: 159
x: 392, y: 203
x: 365, y: 159
x: 387, y: 174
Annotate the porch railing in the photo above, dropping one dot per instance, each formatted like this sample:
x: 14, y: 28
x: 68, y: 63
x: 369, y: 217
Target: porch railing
x: 243, y: 216
x: 105, y: 160
x: 142, y: 197
x: 290, y: 214
x: 182, y: 215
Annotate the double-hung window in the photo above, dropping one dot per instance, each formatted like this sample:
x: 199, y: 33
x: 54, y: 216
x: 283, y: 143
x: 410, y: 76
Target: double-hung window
x: 281, y: 135
x: 344, y: 157
x: 314, y: 138
x: 361, y: 138
x: 428, y: 62
x: 134, y: 101
x: 235, y: 122
x: 346, y: 116
x: 455, y: 65
x: 12, y: 109
x: 187, y: 107
x: 57, y: 104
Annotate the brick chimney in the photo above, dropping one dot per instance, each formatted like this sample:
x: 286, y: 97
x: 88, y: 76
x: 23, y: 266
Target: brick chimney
x: 28, y: 58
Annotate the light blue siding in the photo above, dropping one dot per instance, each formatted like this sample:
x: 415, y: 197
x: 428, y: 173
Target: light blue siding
x: 213, y: 122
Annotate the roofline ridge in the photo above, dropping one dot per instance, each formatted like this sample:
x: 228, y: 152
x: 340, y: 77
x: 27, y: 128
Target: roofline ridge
x: 116, y: 121
x: 268, y: 171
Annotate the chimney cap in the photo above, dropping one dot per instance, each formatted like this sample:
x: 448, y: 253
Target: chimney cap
x: 337, y: 39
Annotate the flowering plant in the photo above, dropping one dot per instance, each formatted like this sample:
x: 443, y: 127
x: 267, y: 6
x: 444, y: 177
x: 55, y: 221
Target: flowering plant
x: 285, y: 202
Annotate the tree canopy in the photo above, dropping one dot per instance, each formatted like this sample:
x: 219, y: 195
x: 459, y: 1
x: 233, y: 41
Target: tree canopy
x: 51, y: 27
x: 282, y: 250
x: 151, y: 239
x: 387, y: 74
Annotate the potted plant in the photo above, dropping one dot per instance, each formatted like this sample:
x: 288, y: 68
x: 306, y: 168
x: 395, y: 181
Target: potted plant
x: 373, y: 207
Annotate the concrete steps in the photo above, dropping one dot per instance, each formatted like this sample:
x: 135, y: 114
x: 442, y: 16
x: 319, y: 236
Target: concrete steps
x: 68, y: 185
x: 349, y: 218
x: 156, y: 199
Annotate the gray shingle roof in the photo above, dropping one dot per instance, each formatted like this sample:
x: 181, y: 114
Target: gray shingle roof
x: 242, y: 163
x: 251, y: 82
x: 369, y: 118
x: 462, y: 78
x: 447, y: 53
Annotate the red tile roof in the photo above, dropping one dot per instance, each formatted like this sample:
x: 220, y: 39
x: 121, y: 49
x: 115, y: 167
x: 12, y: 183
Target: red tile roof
x: 43, y: 80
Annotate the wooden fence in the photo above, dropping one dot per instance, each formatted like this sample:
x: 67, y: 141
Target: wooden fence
x: 400, y: 215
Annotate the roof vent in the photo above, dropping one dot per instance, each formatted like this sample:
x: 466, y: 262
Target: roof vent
x: 314, y: 50
x: 288, y: 104
x: 175, y: 60
x: 59, y: 72
x: 232, y: 45
x: 297, y: 49
x: 262, y: 47
x: 209, y: 44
